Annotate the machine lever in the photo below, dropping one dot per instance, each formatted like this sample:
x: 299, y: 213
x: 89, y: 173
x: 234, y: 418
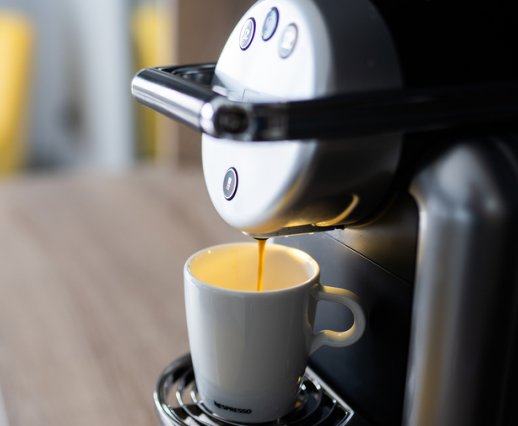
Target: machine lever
x: 188, y: 94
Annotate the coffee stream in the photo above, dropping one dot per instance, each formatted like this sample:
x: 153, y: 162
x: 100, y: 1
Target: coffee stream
x: 261, y: 245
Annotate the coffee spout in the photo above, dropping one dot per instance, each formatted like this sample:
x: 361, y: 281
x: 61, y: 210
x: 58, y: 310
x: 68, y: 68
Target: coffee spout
x: 293, y: 230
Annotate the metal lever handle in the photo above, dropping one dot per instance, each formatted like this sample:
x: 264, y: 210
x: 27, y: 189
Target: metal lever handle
x: 185, y: 94
x: 178, y: 92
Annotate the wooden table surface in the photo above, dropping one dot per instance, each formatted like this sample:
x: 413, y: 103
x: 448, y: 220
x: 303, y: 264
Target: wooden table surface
x: 91, y: 298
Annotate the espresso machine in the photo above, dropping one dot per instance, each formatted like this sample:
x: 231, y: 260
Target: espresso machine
x: 379, y: 137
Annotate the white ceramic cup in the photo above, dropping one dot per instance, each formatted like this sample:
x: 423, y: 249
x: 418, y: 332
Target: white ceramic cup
x: 249, y: 349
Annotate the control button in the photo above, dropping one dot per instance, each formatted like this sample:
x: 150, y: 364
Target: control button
x: 230, y: 183
x: 247, y: 34
x: 288, y: 41
x: 270, y: 24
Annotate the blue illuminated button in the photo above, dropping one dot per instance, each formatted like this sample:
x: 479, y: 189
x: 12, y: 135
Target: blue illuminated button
x: 247, y: 34
x: 270, y: 24
x: 288, y: 41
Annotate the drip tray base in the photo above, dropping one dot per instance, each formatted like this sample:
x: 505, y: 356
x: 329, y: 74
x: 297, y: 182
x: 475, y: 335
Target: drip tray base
x: 178, y: 403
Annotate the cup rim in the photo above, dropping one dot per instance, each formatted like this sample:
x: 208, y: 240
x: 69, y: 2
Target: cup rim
x: 313, y: 279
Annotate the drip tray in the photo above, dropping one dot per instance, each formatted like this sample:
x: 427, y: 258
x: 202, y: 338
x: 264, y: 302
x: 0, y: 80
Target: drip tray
x: 177, y: 401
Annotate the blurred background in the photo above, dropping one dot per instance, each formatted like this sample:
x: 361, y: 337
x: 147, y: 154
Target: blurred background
x: 65, y: 73
x: 101, y: 203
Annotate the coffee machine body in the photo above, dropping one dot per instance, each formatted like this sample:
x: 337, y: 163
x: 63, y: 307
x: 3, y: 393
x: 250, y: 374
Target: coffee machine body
x: 389, y: 154
x: 310, y: 50
x: 437, y: 273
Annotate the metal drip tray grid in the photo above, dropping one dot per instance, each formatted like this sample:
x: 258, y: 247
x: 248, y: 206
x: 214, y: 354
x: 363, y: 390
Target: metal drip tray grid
x: 178, y: 403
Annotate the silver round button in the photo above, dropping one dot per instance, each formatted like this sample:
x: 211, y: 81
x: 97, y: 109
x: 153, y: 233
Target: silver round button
x: 230, y: 183
x: 270, y: 24
x: 288, y: 41
x: 247, y: 34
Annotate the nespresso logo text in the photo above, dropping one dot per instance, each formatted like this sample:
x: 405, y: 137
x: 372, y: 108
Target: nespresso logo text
x: 233, y: 409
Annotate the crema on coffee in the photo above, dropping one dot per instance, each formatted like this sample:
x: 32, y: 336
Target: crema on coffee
x: 252, y: 267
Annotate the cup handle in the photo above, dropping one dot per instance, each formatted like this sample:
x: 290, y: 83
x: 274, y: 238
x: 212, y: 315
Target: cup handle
x: 339, y: 338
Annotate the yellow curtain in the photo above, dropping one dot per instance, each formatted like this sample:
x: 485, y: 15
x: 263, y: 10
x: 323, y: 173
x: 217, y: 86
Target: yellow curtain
x: 16, y: 39
x: 152, y: 35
